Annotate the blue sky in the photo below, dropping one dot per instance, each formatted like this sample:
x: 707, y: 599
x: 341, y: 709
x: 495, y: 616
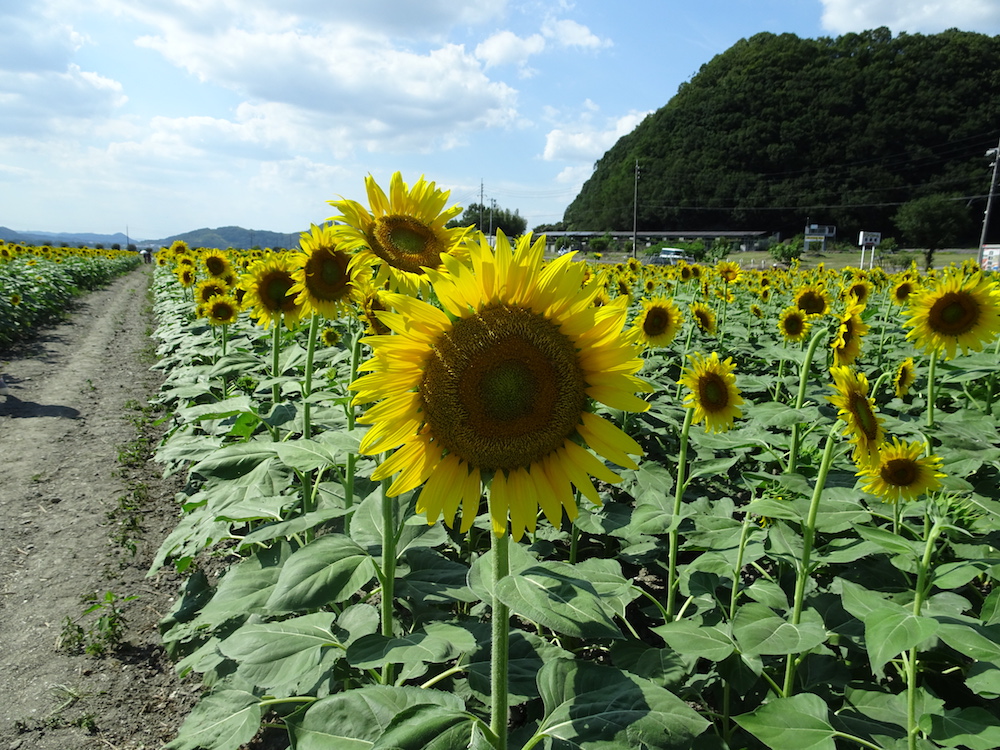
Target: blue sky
x: 170, y: 115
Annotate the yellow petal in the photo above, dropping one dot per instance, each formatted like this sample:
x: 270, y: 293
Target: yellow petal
x: 609, y: 441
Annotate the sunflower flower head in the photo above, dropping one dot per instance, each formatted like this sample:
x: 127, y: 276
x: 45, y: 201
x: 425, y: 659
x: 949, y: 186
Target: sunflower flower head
x: 713, y: 392
x: 496, y: 388
x: 704, y: 318
x: 404, y: 233
x: 793, y: 324
x: 327, y: 278
x: 846, y: 343
x: 859, y: 413
x: 902, y: 472
x: 221, y: 309
x: 267, y: 289
x: 955, y: 312
x: 813, y: 299
x: 904, y: 377
x: 658, y: 322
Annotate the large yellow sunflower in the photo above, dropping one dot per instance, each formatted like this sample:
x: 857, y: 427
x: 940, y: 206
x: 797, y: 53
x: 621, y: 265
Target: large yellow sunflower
x: 404, y: 232
x: 903, y: 290
x: 714, y: 395
x: 859, y: 412
x: 327, y: 278
x: 902, y: 472
x: 658, y: 322
x: 728, y: 271
x: 957, y: 312
x: 704, y: 317
x: 210, y: 287
x: 846, y: 344
x: 222, y: 309
x: 904, y: 377
x: 496, y: 388
x: 812, y: 299
x: 216, y: 262
x: 267, y: 289
x: 793, y: 324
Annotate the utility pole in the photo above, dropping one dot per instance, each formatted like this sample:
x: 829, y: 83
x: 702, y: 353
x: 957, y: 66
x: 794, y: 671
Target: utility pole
x: 635, y: 211
x: 995, y: 153
x: 481, y: 199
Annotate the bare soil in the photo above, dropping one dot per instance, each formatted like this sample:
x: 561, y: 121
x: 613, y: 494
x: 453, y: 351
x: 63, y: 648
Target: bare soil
x: 82, y: 511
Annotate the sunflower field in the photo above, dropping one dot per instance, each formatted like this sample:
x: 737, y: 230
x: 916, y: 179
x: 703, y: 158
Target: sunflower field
x: 37, y: 283
x: 444, y: 493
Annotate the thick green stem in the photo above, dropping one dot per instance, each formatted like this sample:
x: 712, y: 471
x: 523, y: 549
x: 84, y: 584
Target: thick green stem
x: 389, y: 539
x: 808, y: 538
x: 920, y: 593
x: 275, y: 360
x: 349, y: 410
x: 800, y: 399
x: 734, y: 595
x: 931, y: 395
x: 308, y: 377
x: 500, y: 650
x: 674, y: 535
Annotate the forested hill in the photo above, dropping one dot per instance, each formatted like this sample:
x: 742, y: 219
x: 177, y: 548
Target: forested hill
x: 779, y: 129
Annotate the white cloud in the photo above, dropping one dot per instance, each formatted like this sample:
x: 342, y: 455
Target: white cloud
x: 567, y: 33
x: 930, y: 16
x: 587, y: 142
x: 507, y: 48
x: 374, y: 93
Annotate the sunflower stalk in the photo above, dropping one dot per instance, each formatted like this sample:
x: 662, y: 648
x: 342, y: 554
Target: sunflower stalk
x: 276, y: 360
x: 674, y: 535
x: 800, y: 399
x: 500, y: 646
x: 308, y: 376
x: 931, y: 394
x: 804, y: 568
x: 388, y: 574
x: 734, y: 594
x: 920, y: 593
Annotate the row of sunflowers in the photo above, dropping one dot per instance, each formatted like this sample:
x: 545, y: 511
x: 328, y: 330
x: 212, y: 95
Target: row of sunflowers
x: 463, y: 496
x: 37, y: 283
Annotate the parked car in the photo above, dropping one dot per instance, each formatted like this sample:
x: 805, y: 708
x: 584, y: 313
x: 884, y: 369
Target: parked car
x: 668, y: 256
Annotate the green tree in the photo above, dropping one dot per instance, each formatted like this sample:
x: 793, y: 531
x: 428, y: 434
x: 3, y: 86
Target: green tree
x: 932, y: 222
x: 490, y: 218
x: 786, y: 252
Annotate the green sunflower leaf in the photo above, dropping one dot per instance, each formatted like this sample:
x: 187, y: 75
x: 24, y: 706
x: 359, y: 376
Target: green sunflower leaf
x: 797, y: 723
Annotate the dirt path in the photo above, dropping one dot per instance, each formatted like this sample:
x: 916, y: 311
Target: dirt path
x: 77, y: 408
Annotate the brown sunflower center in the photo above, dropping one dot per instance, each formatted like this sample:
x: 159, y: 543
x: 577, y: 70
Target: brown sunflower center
x: 223, y: 311
x: 812, y: 303
x: 656, y: 322
x: 326, y: 274
x: 274, y: 291
x: 903, y: 291
x: 216, y: 266
x: 793, y: 325
x: 503, y: 388
x: 406, y: 243
x: 713, y: 394
x: 900, y: 472
x: 953, y: 314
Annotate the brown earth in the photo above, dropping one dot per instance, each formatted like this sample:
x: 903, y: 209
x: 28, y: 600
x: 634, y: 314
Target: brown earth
x: 82, y: 511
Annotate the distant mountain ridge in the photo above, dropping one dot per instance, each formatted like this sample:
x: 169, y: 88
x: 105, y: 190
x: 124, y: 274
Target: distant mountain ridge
x: 35, y: 237
x: 221, y: 238
x: 225, y: 237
